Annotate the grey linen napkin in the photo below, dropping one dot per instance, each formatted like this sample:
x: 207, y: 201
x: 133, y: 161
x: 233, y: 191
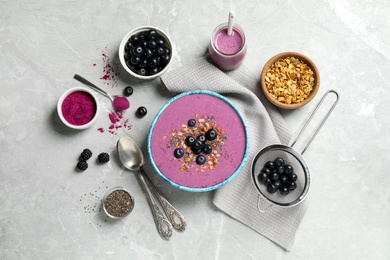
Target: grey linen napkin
x: 239, y: 198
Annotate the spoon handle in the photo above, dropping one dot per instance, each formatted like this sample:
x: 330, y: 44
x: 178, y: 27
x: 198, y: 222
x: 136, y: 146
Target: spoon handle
x: 174, y: 216
x: 91, y: 85
x: 163, y: 226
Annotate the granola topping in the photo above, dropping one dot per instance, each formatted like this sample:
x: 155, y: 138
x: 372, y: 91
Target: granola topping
x: 177, y: 139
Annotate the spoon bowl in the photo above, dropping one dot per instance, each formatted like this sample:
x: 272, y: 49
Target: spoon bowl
x: 118, y: 102
x: 130, y: 154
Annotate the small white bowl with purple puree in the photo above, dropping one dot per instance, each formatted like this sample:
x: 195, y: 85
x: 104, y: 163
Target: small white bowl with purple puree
x: 78, y: 108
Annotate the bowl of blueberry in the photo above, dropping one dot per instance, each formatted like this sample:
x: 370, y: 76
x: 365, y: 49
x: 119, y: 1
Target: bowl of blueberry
x: 146, y: 52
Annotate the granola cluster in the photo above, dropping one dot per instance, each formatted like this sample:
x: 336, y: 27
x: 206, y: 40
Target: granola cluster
x: 289, y: 80
x: 177, y: 139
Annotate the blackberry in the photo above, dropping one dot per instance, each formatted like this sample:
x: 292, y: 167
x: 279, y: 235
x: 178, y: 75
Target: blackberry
x: 85, y: 155
x: 103, y: 158
x: 82, y: 165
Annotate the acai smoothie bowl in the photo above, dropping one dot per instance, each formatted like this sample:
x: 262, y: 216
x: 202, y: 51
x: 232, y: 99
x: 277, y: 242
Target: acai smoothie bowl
x: 198, y: 141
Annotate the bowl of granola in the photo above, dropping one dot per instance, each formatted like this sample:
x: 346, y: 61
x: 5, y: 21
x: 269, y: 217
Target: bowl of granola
x: 290, y: 80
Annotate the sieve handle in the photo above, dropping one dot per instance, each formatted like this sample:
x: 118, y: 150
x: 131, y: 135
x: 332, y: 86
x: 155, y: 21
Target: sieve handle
x: 262, y: 205
x: 322, y: 122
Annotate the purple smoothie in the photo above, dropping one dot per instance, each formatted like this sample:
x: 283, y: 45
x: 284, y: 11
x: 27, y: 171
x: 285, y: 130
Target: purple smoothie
x: 227, y: 51
x: 228, y: 44
x: 169, y: 132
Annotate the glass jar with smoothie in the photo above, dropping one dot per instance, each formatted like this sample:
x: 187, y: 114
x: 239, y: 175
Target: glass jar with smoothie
x: 227, y: 51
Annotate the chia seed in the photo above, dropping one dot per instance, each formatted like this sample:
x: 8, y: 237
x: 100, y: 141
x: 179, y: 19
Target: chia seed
x: 118, y: 203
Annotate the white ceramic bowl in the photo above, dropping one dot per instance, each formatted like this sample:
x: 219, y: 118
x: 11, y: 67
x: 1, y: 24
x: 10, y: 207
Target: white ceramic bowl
x: 61, y: 114
x: 136, y: 31
x: 111, y: 191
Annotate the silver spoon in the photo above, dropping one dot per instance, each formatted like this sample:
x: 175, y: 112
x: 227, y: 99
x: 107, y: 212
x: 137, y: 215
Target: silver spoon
x: 118, y: 102
x: 132, y: 158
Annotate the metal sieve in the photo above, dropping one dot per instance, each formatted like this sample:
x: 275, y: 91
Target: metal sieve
x: 291, y: 157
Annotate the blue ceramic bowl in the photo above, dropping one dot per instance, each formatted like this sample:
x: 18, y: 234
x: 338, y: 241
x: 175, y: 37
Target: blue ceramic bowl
x: 169, y: 129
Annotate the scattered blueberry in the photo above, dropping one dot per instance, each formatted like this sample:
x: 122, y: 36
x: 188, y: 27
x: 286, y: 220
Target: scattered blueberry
x: 279, y: 162
x: 142, y: 36
x: 148, y: 53
x: 191, y: 122
x: 190, y: 140
x: 284, y: 178
x: 178, y: 153
x: 128, y: 91
x: 292, y: 186
x: 153, y: 71
x: 85, y: 155
x: 142, y: 72
x: 152, y: 44
x: 152, y: 34
x: 288, y: 169
x: 293, y: 177
x: 196, y: 151
x: 143, y: 63
x: 152, y: 62
x: 200, y: 159
x: 82, y: 165
x: 165, y: 58
x: 138, y: 51
x: 266, y: 170
x: 283, y: 189
x: 160, y: 51
x: 141, y: 112
x: 280, y: 169
x: 263, y: 177
x: 103, y: 158
x: 271, y: 188
x: 202, y: 138
x: 211, y: 134
x: 129, y: 45
x: 207, y: 148
x: 135, y: 60
x: 270, y: 165
x: 274, y: 176
x: 197, y: 144
x: 134, y: 38
x: 160, y: 42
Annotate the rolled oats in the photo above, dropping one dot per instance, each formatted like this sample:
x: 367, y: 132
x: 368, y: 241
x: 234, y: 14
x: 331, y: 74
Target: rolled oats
x: 289, y: 80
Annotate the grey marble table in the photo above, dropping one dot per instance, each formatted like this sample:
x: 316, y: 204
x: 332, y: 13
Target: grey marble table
x: 50, y: 211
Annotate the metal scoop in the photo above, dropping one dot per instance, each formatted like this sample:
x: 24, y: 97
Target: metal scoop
x: 132, y: 158
x: 118, y: 102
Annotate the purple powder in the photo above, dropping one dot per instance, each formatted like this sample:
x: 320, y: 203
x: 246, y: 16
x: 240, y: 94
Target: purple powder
x: 78, y: 108
x: 121, y: 103
x: 117, y: 121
